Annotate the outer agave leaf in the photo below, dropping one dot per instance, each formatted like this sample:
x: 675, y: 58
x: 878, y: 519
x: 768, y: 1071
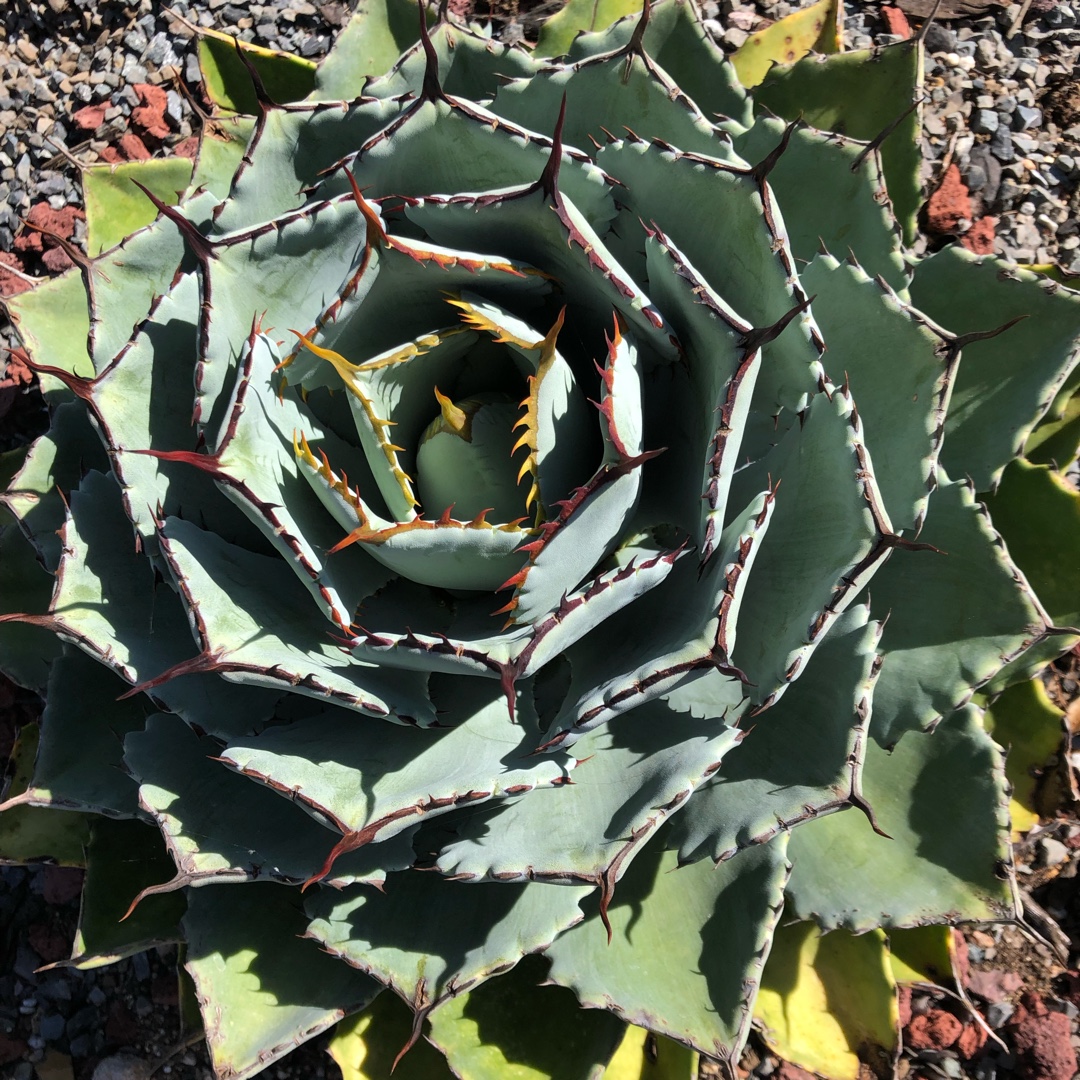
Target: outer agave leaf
x: 937, y: 650
x: 367, y: 1045
x: 221, y: 150
x: 481, y: 931
x: 800, y: 583
x: 483, y: 1039
x: 842, y: 875
x: 372, y: 790
x: 676, y: 39
x: 849, y: 211
x: 115, y: 207
x: 287, y: 152
x: 901, y: 385
x: 64, y: 318
x: 53, y: 468
x: 122, y: 858
x: 24, y: 586
x: 275, y: 638
x: 270, y: 990
x: 997, y: 402
x: 1030, y: 498
x: 693, y: 978
x: 374, y: 37
x: 227, y: 79
x: 763, y: 788
x: 1057, y: 438
x: 559, y: 31
x: 1028, y: 726
x: 866, y: 94
x: 34, y: 833
x: 85, y: 723
x: 611, y: 92
x: 809, y: 29
x: 105, y: 599
x: 829, y: 1000
x: 631, y: 776
x: 741, y: 250
x: 1034, y: 509
x: 221, y: 827
x: 470, y: 66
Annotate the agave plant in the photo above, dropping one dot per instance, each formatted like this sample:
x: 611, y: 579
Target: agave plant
x: 488, y: 508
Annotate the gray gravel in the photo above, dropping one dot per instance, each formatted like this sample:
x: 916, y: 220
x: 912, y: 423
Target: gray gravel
x: 1003, y: 105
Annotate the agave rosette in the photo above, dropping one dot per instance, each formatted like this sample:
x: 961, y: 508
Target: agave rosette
x: 490, y: 486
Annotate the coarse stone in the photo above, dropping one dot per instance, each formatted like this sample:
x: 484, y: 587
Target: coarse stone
x: 939, y: 39
x: 1001, y: 145
x: 1051, y: 852
x: 1026, y: 117
x: 984, y: 121
x: 121, y: 1067
x: 51, y: 1028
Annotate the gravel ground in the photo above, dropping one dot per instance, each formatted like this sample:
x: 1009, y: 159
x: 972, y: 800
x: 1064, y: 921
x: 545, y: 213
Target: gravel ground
x: 83, y: 81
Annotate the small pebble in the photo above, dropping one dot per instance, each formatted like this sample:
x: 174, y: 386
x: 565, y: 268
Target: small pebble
x: 1051, y: 852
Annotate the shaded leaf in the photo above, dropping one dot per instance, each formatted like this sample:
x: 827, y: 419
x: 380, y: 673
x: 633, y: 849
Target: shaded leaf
x: 828, y: 1001
x: 262, y: 989
x: 1025, y: 723
x: 686, y: 949
x: 485, y: 1035
x: 123, y: 857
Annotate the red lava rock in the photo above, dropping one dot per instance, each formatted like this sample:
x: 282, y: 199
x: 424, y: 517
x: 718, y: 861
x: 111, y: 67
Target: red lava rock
x: 56, y: 259
x: 11, y: 284
x: 48, y: 943
x: 150, y: 115
x: 936, y: 1030
x: 133, y: 148
x: 121, y: 1025
x: 980, y: 237
x: 1040, y: 1039
x: 972, y: 1040
x: 11, y: 1049
x: 61, y: 222
x: 896, y: 21
x: 960, y: 960
x: 188, y: 148
x: 61, y: 884
x: 903, y: 1004
x: 110, y: 155
x: 788, y: 1071
x: 994, y: 986
x: 89, y: 117
x: 949, y: 205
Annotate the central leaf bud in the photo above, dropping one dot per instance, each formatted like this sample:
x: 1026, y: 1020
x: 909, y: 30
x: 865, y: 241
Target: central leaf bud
x: 466, y: 459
